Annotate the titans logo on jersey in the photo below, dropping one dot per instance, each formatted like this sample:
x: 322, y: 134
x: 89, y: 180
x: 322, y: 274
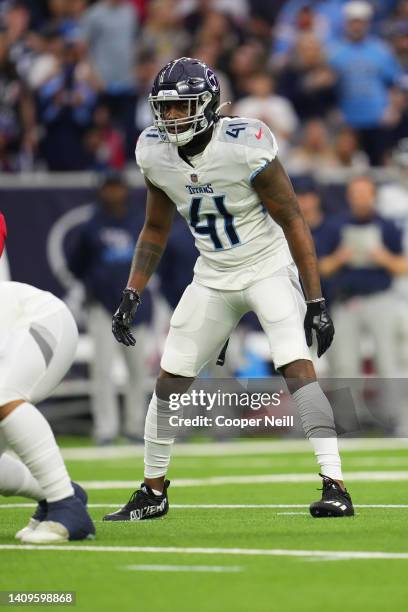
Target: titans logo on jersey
x: 237, y: 240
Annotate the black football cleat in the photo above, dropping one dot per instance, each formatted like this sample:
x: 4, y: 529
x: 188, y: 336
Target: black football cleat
x: 142, y: 505
x: 335, y: 502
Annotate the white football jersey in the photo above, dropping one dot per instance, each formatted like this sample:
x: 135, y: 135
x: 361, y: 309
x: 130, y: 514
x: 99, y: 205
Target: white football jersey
x: 238, y: 241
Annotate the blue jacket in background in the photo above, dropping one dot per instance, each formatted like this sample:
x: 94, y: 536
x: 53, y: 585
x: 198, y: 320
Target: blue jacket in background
x: 102, y: 255
x: 176, y: 267
x: 365, y: 71
x: 319, y: 236
x: 354, y: 281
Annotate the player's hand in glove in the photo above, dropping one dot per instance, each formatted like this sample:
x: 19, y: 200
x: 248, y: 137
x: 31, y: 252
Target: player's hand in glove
x: 123, y: 317
x: 317, y: 318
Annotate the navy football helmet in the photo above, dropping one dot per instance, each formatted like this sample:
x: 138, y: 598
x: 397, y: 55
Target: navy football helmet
x: 186, y: 80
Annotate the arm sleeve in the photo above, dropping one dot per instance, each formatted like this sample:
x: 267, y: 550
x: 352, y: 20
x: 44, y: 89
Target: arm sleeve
x: 260, y: 148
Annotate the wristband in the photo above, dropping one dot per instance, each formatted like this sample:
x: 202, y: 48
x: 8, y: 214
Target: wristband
x: 134, y: 293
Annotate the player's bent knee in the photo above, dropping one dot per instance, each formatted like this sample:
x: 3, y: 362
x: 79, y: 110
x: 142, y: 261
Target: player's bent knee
x: 168, y: 383
x: 8, y: 408
x: 298, y: 374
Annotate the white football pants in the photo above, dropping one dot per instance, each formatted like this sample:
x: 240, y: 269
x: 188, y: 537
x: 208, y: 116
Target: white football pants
x: 205, y: 317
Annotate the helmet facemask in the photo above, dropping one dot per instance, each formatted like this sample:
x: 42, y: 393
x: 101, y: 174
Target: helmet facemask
x: 183, y: 130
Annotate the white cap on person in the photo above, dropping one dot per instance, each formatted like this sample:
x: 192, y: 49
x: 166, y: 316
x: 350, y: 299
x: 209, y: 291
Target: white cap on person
x: 358, y: 9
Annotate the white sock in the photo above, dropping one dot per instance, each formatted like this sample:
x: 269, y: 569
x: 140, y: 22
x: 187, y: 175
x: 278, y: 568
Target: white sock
x: 16, y: 479
x: 327, y: 455
x: 29, y: 435
x: 159, y: 438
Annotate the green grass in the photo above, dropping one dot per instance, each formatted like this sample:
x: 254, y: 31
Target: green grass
x: 264, y: 583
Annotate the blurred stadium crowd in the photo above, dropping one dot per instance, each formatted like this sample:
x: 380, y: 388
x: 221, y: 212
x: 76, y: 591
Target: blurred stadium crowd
x: 330, y: 79
x: 328, y: 76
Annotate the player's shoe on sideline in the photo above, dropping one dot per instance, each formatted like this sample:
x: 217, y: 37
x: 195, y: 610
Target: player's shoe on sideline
x: 335, y: 502
x: 143, y: 504
x: 40, y: 513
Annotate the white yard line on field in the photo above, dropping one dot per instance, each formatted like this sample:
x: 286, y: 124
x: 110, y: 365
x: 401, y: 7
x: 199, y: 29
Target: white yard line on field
x: 236, y: 447
x: 373, y: 476
x: 217, y: 569
x: 252, y: 552
x: 217, y: 506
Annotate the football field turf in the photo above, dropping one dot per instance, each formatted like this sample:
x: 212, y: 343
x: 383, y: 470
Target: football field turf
x: 238, y: 536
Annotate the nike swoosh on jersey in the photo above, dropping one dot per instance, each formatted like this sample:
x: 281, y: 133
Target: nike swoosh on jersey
x: 259, y: 134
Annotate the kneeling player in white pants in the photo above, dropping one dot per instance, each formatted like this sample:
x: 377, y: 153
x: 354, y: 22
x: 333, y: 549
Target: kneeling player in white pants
x: 38, y: 338
x: 223, y: 176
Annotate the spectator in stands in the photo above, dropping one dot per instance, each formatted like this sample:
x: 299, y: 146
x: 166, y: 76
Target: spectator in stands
x: 140, y: 7
x: 109, y: 28
x: 101, y: 259
x: 395, y: 18
x: 322, y: 18
x: 396, y: 118
x: 314, y: 151
x: 76, y: 10
x: 66, y: 100
x: 361, y: 253
x: 383, y: 9
x: 366, y: 70
x: 17, y: 119
x: 221, y: 32
x: 262, y: 103
x: 16, y: 23
x: 104, y: 143
x: 58, y: 16
x: 66, y: 15
x: 245, y: 61
x: 196, y: 12
x: 308, y: 81
x: 392, y: 201
x: 231, y: 35
x: 263, y: 16
x: 163, y: 33
x: 347, y: 151
x: 147, y: 67
x: 397, y: 34
x: 309, y: 199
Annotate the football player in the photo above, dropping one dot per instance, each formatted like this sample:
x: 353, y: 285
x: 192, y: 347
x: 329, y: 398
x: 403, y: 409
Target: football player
x: 224, y: 177
x: 38, y: 339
